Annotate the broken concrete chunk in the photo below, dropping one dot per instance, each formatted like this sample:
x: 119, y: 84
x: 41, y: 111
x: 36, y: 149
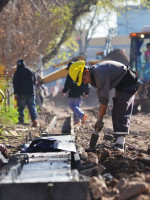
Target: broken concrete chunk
x: 93, y: 171
x: 121, y: 184
x: 141, y: 197
x: 147, y: 178
x: 14, y: 133
x: 133, y: 190
x: 98, y: 187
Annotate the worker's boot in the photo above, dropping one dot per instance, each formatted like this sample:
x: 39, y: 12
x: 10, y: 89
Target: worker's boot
x: 93, y: 142
x: 35, y: 123
x: 21, y: 120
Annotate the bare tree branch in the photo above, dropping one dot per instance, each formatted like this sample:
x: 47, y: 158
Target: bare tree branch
x: 37, y: 9
x: 79, y: 8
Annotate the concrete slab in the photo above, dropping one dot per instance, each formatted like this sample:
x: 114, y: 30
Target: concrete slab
x: 45, y: 191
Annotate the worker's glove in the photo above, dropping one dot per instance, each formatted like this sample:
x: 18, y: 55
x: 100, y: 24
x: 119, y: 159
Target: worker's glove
x: 99, y: 124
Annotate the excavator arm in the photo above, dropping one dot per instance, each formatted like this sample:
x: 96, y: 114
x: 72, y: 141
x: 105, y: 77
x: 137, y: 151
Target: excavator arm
x: 63, y: 72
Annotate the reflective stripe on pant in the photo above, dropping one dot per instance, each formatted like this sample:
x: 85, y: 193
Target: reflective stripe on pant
x: 120, y: 133
x: 121, y: 112
x: 75, y: 104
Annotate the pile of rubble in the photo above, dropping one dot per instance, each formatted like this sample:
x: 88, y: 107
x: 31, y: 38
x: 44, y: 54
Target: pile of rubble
x: 115, y: 176
x: 135, y: 187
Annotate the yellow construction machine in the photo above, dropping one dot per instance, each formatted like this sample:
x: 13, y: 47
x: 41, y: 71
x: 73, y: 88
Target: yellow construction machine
x: 61, y: 73
x: 116, y: 55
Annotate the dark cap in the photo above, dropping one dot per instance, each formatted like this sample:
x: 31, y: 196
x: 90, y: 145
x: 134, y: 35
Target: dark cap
x: 69, y: 64
x: 20, y: 63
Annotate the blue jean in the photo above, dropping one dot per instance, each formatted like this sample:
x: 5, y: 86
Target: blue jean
x: 75, y: 104
x: 28, y: 100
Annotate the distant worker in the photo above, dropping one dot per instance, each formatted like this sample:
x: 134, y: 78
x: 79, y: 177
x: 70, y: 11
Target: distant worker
x: 75, y: 96
x: 104, y: 76
x: 24, y: 89
x: 147, y: 65
x: 147, y: 53
x: 41, y: 92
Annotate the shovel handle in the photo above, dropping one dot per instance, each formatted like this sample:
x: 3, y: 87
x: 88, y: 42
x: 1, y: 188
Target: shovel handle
x: 97, y: 130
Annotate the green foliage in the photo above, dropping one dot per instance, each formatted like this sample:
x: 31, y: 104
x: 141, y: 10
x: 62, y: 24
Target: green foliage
x: 9, y: 114
x: 61, y: 19
x: 145, y: 3
x: 69, y: 48
x: 8, y: 117
x: 71, y: 44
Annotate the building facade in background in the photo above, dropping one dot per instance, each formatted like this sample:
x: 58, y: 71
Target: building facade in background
x: 133, y: 20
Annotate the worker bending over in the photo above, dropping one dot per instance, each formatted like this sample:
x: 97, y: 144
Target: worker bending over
x: 104, y: 76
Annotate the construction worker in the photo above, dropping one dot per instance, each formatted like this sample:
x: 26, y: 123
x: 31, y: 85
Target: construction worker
x: 41, y: 92
x: 24, y: 89
x: 146, y: 72
x: 104, y: 76
x: 75, y: 96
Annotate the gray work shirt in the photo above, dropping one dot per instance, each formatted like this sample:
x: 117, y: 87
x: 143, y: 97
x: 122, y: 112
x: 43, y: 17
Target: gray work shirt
x: 107, y: 75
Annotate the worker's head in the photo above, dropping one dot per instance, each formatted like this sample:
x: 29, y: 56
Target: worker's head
x: 86, y: 78
x: 2, y: 97
x: 76, y: 71
x: 148, y: 46
x: 79, y: 72
x: 20, y: 63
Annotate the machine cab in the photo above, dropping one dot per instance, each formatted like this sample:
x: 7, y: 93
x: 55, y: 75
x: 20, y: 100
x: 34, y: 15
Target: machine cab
x: 140, y: 54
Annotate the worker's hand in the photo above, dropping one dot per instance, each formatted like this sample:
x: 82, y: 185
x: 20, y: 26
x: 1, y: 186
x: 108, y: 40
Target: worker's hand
x: 99, y: 124
x: 85, y: 96
x: 45, y: 93
x: 63, y: 94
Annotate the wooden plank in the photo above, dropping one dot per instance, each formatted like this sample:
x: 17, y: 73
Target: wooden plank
x: 61, y: 73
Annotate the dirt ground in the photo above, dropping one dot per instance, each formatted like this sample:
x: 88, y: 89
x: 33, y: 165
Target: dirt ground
x: 126, y: 176
x: 113, y: 176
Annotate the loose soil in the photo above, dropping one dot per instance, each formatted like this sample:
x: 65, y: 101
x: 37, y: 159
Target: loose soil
x: 133, y: 165
x: 114, y: 167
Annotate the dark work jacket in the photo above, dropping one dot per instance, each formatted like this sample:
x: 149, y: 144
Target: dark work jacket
x: 74, y: 90
x: 24, y: 81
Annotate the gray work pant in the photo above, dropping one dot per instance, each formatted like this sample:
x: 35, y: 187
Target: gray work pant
x: 121, y: 112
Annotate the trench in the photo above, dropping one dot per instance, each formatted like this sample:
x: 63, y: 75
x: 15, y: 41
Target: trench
x: 42, y: 174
